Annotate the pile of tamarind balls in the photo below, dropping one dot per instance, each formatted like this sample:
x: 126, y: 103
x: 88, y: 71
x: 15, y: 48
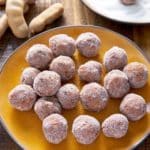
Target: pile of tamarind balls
x: 14, y: 17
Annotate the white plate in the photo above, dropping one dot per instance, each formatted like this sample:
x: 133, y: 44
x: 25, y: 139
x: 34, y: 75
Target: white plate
x: 138, y: 13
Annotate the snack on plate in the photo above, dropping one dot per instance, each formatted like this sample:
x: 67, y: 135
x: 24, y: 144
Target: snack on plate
x: 94, y: 97
x: 85, y: 129
x: 68, y: 95
x: 64, y: 66
x: 91, y: 71
x: 62, y: 44
x: 47, y: 83
x: 50, y: 72
x: 55, y: 128
x: 43, y: 107
x: 115, y: 58
x: 116, y: 83
x: 28, y: 75
x: 115, y: 126
x: 88, y: 44
x: 133, y: 106
x: 39, y: 56
x: 137, y: 74
x: 22, y: 97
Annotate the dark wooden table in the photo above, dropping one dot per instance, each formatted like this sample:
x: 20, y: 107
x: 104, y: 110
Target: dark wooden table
x: 76, y: 13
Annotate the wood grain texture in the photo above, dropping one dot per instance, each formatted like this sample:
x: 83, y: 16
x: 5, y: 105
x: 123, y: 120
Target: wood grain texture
x: 76, y: 13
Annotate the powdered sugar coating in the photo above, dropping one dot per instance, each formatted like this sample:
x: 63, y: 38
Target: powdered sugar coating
x: 64, y: 66
x: 88, y: 44
x: 47, y: 83
x: 44, y: 108
x: 115, y: 58
x: 128, y: 2
x: 85, y: 129
x: 55, y: 128
x: 62, y: 44
x: 94, y: 97
x: 68, y: 95
x: 22, y: 97
x: 116, y: 83
x: 54, y: 100
x: 137, y: 74
x: 28, y: 75
x: 133, y: 106
x: 39, y: 56
x: 115, y: 126
x: 91, y: 71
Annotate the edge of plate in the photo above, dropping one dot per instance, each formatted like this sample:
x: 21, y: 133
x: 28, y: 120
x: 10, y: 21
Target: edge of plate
x: 70, y: 26
x: 113, y: 19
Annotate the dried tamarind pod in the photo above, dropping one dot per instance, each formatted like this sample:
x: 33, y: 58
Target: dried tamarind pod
x: 26, y: 8
x: 38, y: 23
x: 2, y: 2
x: 16, y: 20
x: 3, y: 24
x: 4, y: 21
x: 30, y: 1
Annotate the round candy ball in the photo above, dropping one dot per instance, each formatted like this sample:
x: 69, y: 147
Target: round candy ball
x: 39, y: 56
x: 91, y: 71
x: 54, y: 100
x: 55, y: 128
x: 68, y: 95
x: 62, y: 44
x: 85, y: 129
x: 133, y: 106
x: 137, y: 74
x: 94, y: 97
x: 116, y: 83
x: 115, y: 126
x: 22, y: 97
x: 44, y: 107
x: 64, y: 66
x: 88, y: 44
x: 47, y: 83
x: 28, y: 75
x: 115, y: 58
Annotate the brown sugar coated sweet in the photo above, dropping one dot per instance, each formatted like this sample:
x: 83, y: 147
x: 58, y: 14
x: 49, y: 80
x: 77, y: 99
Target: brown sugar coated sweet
x: 88, y: 44
x: 137, y: 74
x: 94, y: 97
x: 62, y: 44
x: 47, y: 83
x: 115, y: 58
x: 91, y: 71
x: 115, y: 126
x: 116, y: 83
x: 133, y: 106
x: 39, y: 56
x: 64, y: 66
x: 28, y: 75
x: 45, y: 107
x: 85, y: 129
x: 54, y: 99
x: 68, y: 95
x: 55, y: 128
x: 22, y: 97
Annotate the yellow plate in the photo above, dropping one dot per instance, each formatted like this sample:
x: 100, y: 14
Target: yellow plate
x: 25, y: 127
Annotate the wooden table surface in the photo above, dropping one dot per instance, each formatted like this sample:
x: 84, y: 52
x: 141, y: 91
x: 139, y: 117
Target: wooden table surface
x: 76, y: 13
